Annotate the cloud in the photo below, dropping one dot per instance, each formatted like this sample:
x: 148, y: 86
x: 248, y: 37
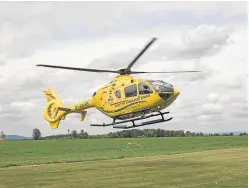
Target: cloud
x: 29, y: 26
x: 201, y: 41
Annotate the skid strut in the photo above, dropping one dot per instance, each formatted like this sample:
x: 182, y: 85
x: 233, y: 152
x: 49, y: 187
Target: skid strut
x: 116, y: 124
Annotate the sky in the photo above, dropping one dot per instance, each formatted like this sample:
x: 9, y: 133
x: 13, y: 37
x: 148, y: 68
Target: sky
x: 206, y: 36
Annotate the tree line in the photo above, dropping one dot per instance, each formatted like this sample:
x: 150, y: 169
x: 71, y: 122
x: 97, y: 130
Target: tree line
x: 132, y: 133
x: 70, y: 135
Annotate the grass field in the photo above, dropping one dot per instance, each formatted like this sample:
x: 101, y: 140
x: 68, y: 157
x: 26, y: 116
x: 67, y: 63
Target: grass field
x: 143, y: 162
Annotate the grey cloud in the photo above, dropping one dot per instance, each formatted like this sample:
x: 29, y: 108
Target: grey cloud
x: 201, y: 76
x: 212, y: 108
x: 209, y: 119
x: 211, y: 112
x: 202, y: 41
x: 233, y: 108
x: 35, y: 25
x: 117, y: 61
x: 241, y: 114
x: 235, y: 83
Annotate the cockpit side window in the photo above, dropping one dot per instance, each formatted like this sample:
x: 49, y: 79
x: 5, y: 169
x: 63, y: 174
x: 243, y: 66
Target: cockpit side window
x: 118, y: 94
x: 143, y: 88
x: 131, y: 91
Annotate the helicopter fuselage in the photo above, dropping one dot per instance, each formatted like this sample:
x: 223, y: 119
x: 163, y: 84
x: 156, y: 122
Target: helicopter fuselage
x: 125, y: 95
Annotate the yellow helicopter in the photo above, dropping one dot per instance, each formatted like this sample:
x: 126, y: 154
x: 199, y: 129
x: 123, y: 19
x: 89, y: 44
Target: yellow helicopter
x: 125, y: 98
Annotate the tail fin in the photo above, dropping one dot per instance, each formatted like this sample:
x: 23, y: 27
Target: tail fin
x: 55, y: 110
x: 50, y: 95
x: 52, y: 112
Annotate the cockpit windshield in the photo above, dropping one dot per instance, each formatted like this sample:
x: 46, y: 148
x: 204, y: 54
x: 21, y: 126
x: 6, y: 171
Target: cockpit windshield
x: 161, y: 86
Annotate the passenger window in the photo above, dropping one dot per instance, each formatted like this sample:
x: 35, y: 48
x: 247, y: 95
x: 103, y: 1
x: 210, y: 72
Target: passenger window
x: 131, y: 91
x: 118, y: 94
x: 144, y: 89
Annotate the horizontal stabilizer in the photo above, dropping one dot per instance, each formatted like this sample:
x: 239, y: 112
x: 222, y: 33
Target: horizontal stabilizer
x: 64, y: 109
x: 83, y: 115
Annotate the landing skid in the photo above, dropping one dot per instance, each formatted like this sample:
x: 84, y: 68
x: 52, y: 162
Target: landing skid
x: 114, y: 123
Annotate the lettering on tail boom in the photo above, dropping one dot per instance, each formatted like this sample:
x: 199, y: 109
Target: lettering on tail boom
x: 83, y: 105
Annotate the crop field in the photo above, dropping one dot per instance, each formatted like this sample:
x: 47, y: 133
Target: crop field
x: 141, y: 162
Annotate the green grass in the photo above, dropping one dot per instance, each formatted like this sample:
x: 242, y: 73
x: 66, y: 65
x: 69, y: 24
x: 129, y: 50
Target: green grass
x: 208, y: 169
x: 17, y: 153
x: 123, y: 163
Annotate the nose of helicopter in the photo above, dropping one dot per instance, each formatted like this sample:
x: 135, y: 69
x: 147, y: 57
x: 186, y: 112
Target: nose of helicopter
x: 176, y: 92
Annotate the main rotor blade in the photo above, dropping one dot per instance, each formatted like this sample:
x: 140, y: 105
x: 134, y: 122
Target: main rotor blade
x: 127, y: 70
x: 141, y: 72
x: 77, y: 69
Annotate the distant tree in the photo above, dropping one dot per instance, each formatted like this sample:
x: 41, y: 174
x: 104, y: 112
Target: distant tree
x: 182, y: 133
x: 126, y: 134
x: 240, y: 134
x: 2, y: 135
x: 158, y: 133
x: 82, y: 133
x: 86, y: 135
x: 74, y: 134
x: 151, y: 132
x: 167, y: 133
x: 244, y: 133
x: 231, y: 134
x: 188, y: 133
x: 36, y: 134
x: 68, y: 131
